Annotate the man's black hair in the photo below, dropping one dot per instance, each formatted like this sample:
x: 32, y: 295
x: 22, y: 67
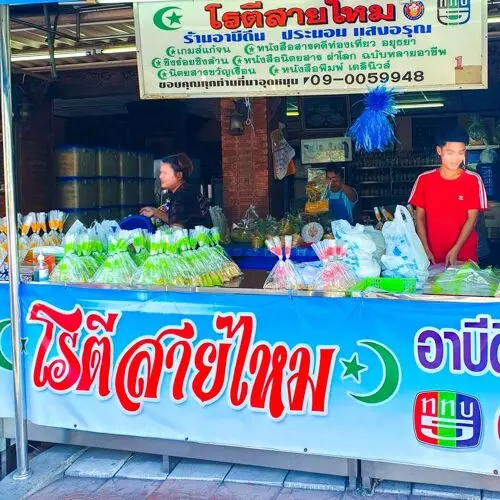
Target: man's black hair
x: 330, y: 167
x: 451, y: 135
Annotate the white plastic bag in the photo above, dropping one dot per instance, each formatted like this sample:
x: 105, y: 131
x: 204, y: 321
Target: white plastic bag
x: 362, y: 248
x: 401, y: 239
x: 377, y: 238
x: 354, y: 237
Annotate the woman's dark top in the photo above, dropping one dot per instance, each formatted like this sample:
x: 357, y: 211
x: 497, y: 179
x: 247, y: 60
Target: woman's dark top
x: 186, y: 207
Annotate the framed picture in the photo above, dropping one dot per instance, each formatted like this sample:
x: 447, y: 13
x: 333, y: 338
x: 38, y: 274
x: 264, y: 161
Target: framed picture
x: 326, y: 113
x: 329, y: 150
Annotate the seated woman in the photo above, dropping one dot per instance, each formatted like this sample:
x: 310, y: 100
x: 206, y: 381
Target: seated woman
x: 184, y: 206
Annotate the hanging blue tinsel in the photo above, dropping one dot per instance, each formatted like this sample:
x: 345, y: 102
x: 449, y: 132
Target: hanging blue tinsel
x: 373, y: 130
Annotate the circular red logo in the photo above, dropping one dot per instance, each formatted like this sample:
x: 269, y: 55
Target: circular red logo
x: 413, y: 10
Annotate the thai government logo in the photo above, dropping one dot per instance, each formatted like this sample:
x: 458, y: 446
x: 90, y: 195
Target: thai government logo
x: 453, y: 12
x: 413, y: 10
x: 447, y: 419
x: 168, y: 18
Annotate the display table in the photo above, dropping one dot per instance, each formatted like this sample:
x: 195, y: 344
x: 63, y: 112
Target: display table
x: 296, y: 373
x: 248, y: 258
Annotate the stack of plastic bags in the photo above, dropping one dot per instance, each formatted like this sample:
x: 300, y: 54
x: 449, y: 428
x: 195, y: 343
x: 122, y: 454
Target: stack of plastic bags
x: 104, y: 254
x: 284, y: 275
x: 119, y: 267
x: 364, y: 245
x: 334, y: 275
x: 405, y: 256
x: 74, y: 268
x: 84, y: 253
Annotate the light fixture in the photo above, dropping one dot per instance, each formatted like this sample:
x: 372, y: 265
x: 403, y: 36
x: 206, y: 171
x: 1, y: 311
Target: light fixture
x: 237, y: 117
x: 420, y: 105
x: 292, y: 113
x: 125, y: 49
x: 45, y: 57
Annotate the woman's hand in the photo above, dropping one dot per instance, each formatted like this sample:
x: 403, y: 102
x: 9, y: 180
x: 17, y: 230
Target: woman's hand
x: 149, y: 212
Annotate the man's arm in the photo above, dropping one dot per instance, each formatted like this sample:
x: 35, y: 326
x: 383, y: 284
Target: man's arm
x: 422, y: 233
x: 470, y: 224
x: 350, y: 193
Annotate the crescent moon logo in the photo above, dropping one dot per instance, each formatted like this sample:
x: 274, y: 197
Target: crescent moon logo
x: 391, y: 375
x: 170, y: 52
x: 170, y: 23
x: 4, y: 361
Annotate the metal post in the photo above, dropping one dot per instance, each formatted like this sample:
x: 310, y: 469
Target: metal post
x: 23, y: 471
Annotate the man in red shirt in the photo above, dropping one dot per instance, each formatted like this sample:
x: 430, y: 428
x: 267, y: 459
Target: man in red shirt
x: 448, y: 200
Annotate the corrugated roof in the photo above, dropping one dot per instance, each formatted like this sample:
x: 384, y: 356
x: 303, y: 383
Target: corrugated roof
x: 75, y: 29
x: 92, y: 29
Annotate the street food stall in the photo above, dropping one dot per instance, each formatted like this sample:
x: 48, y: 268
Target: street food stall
x: 135, y: 339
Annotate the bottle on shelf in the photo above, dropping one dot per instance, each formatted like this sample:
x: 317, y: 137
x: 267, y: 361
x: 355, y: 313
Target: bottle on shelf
x: 41, y: 271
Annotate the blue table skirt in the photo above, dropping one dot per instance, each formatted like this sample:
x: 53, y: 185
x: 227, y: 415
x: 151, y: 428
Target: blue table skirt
x: 248, y: 258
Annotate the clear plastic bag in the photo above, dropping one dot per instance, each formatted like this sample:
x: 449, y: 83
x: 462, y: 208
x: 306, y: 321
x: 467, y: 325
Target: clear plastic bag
x: 139, y: 246
x: 317, y: 191
x: 283, y: 276
x: 334, y: 275
x: 465, y: 279
x: 72, y: 268
x: 118, y: 268
x: 219, y: 221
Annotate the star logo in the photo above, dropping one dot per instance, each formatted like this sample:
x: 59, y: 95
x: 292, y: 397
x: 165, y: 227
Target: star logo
x: 174, y: 18
x: 168, y: 18
x: 353, y: 368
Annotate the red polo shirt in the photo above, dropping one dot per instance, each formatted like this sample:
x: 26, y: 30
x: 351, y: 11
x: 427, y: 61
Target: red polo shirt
x: 446, y: 203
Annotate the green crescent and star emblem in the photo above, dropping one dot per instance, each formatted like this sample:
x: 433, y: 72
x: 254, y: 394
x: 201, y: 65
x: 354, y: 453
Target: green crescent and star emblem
x: 391, y: 373
x: 168, y: 18
x: 352, y: 368
x: 5, y: 363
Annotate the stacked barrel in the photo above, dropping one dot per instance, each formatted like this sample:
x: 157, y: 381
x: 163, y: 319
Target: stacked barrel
x: 98, y: 184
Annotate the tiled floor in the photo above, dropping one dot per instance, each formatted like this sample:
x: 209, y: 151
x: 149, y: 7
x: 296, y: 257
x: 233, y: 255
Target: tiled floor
x: 110, y: 475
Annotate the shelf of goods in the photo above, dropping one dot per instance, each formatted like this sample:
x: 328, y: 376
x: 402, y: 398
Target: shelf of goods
x: 389, y: 183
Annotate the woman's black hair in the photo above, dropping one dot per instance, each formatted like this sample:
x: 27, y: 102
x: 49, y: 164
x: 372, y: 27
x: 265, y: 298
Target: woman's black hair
x: 180, y: 163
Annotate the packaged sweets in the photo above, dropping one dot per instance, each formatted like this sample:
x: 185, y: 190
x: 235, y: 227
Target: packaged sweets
x: 283, y: 276
x: 316, y: 190
x: 334, y: 275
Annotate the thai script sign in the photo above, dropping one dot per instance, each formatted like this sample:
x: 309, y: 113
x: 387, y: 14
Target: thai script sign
x: 229, y: 48
x: 325, y: 376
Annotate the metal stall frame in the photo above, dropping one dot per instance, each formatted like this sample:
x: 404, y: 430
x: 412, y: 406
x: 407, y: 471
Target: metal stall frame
x: 21, y: 435
x: 172, y: 451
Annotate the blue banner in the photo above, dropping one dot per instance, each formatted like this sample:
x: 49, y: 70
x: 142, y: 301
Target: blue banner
x: 6, y: 382
x: 403, y: 381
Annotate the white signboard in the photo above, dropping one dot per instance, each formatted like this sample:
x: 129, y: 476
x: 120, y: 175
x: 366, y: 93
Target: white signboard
x: 273, y: 47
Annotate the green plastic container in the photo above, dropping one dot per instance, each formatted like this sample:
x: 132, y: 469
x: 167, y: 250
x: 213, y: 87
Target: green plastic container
x: 389, y: 285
